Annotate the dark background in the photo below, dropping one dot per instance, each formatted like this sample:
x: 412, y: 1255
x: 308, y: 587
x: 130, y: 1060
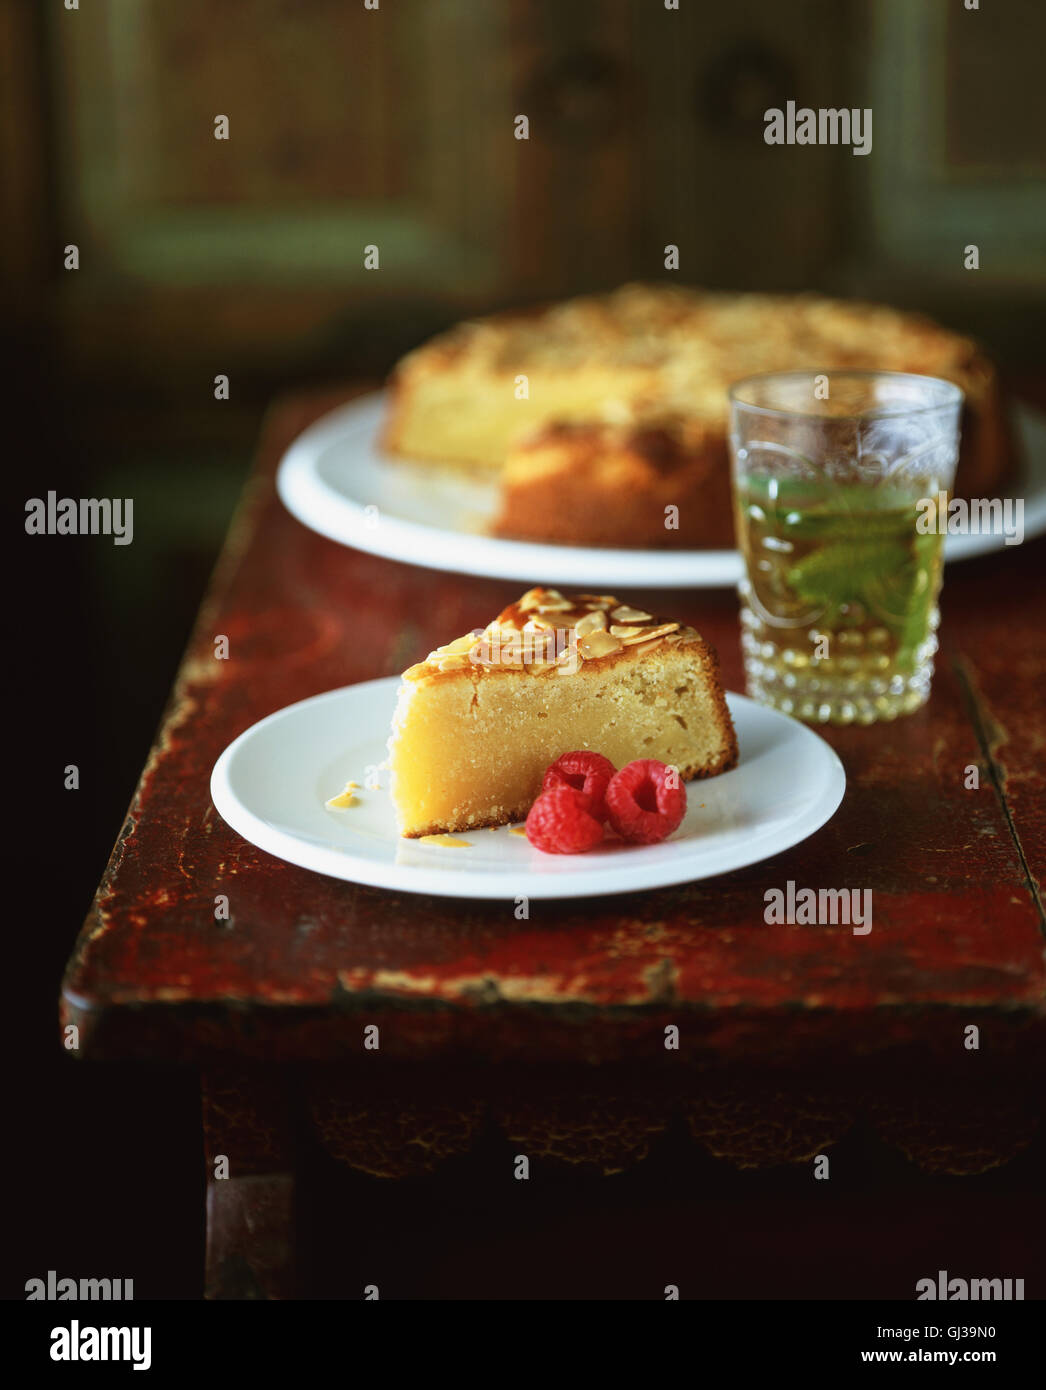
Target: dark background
x: 246, y: 257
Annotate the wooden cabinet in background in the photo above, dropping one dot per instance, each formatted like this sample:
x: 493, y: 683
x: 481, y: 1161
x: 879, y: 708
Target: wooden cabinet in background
x: 394, y: 127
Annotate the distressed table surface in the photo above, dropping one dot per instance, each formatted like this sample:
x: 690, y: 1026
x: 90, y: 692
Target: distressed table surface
x: 958, y: 923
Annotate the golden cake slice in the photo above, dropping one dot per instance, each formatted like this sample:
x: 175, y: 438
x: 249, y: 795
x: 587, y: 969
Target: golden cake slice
x: 479, y: 720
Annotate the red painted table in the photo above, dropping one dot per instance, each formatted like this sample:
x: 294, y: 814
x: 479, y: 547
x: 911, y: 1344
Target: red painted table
x: 786, y: 1032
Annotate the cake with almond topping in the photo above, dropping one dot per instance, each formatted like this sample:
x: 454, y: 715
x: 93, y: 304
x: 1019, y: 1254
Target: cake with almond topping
x: 480, y: 719
x: 592, y: 411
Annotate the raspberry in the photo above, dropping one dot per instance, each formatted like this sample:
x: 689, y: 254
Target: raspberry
x: 587, y: 772
x: 560, y: 822
x: 645, y: 801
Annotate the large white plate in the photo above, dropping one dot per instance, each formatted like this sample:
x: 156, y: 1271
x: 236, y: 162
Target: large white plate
x: 272, y: 782
x: 335, y: 479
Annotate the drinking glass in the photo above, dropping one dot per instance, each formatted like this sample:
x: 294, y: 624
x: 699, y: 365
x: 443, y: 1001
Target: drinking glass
x: 839, y: 478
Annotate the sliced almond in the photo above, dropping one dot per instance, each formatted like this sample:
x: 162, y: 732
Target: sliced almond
x: 458, y: 646
x: 591, y: 622
x: 482, y: 654
x: 647, y: 634
x: 596, y: 644
x: 626, y: 631
x: 624, y: 614
x: 540, y: 647
x: 453, y: 661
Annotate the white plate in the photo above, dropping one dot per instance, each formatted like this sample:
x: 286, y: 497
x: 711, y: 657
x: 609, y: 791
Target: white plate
x: 335, y: 479
x: 272, y: 782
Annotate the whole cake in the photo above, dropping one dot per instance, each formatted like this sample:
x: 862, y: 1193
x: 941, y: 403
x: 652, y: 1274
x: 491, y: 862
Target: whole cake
x: 600, y: 412
x: 479, y: 721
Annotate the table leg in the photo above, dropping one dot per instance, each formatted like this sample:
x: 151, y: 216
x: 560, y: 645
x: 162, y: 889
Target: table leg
x: 249, y: 1152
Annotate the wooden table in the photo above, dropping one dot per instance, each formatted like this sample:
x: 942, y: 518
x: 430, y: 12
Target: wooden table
x: 552, y: 1030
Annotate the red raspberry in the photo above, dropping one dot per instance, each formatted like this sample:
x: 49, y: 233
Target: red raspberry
x: 560, y: 822
x: 645, y: 801
x: 588, y: 772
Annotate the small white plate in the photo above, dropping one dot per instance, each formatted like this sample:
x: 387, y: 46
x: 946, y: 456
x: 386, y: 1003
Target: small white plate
x: 335, y: 479
x: 271, y: 783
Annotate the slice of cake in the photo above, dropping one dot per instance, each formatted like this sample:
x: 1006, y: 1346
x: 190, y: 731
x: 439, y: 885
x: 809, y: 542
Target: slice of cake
x: 480, y: 719
x: 657, y: 483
